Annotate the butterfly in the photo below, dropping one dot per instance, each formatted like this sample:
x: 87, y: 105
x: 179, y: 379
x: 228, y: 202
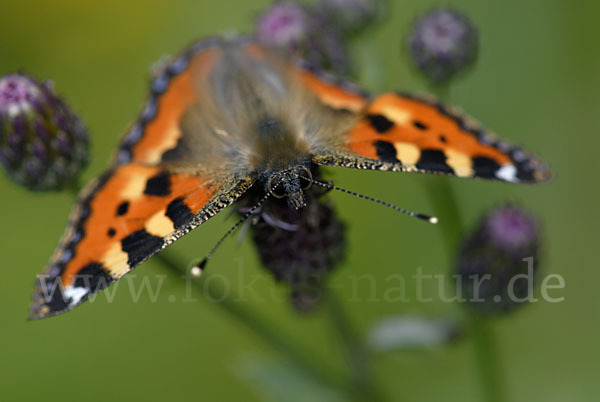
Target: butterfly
x: 230, y: 114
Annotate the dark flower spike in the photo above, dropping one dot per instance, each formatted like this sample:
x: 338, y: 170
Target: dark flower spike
x: 443, y: 43
x: 43, y: 144
x: 497, y: 263
x: 302, y: 247
x: 302, y: 258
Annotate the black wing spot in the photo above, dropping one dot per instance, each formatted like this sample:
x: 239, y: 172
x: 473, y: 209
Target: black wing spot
x: 179, y: 213
x: 111, y: 232
x: 139, y: 246
x: 420, y: 125
x: 386, y: 151
x: 176, y: 153
x: 123, y: 208
x: 443, y: 139
x: 93, y: 277
x: 159, y: 185
x: 380, y: 123
x: 434, y: 160
x: 485, y: 167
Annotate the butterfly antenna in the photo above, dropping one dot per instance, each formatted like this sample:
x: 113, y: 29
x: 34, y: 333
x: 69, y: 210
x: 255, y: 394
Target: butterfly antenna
x: 430, y: 219
x: 198, y: 269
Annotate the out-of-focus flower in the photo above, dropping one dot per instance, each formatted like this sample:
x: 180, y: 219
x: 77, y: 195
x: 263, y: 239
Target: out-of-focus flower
x: 303, y: 32
x: 351, y: 16
x: 497, y: 263
x: 43, y: 144
x: 284, y: 24
x: 443, y: 43
x: 299, y: 247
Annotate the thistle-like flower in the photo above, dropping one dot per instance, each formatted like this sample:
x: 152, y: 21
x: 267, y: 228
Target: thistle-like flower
x: 443, y: 43
x: 498, y: 262
x: 43, y: 144
x: 303, y: 32
x: 284, y: 24
x: 299, y: 247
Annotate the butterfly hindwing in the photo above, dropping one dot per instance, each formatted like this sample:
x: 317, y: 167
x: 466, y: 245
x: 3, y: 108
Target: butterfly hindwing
x: 331, y: 90
x: 122, y: 219
x: 404, y: 133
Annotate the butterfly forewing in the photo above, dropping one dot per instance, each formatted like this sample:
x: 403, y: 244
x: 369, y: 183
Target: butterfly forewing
x: 142, y: 204
x: 404, y: 133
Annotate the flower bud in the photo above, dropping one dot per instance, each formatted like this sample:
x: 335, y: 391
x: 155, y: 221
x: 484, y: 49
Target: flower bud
x: 43, y: 144
x: 498, y: 262
x: 443, y: 43
x: 299, y: 247
x: 302, y: 32
x: 284, y: 24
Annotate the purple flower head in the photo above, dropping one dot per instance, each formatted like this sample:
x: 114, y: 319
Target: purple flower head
x: 443, y: 43
x: 43, y: 144
x: 284, y: 24
x: 18, y: 93
x: 511, y: 228
x: 303, y: 32
x: 495, y: 255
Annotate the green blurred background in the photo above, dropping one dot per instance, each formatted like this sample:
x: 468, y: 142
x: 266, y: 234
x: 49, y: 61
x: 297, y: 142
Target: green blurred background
x: 536, y: 83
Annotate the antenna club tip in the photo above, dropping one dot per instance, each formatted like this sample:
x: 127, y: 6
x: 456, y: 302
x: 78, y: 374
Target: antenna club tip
x: 197, y: 271
x: 427, y: 218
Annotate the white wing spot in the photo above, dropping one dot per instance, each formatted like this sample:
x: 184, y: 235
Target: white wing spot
x: 507, y: 173
x: 75, y: 294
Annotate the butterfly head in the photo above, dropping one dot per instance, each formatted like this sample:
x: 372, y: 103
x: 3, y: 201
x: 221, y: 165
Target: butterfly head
x: 290, y: 184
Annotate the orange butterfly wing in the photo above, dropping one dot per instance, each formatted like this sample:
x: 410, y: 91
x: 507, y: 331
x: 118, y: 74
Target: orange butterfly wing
x: 157, y: 131
x: 331, y: 90
x: 121, y: 220
x: 404, y: 133
x: 140, y: 205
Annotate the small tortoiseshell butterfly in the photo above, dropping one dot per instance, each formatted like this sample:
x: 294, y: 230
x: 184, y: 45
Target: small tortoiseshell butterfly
x: 230, y: 114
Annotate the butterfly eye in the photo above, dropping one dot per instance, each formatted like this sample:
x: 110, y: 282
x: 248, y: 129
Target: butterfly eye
x: 306, y: 178
x: 276, y: 188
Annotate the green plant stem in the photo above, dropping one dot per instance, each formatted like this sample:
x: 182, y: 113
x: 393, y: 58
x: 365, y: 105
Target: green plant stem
x: 485, y: 346
x: 445, y: 205
x: 355, y: 349
x: 486, y: 354
x: 255, y: 323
